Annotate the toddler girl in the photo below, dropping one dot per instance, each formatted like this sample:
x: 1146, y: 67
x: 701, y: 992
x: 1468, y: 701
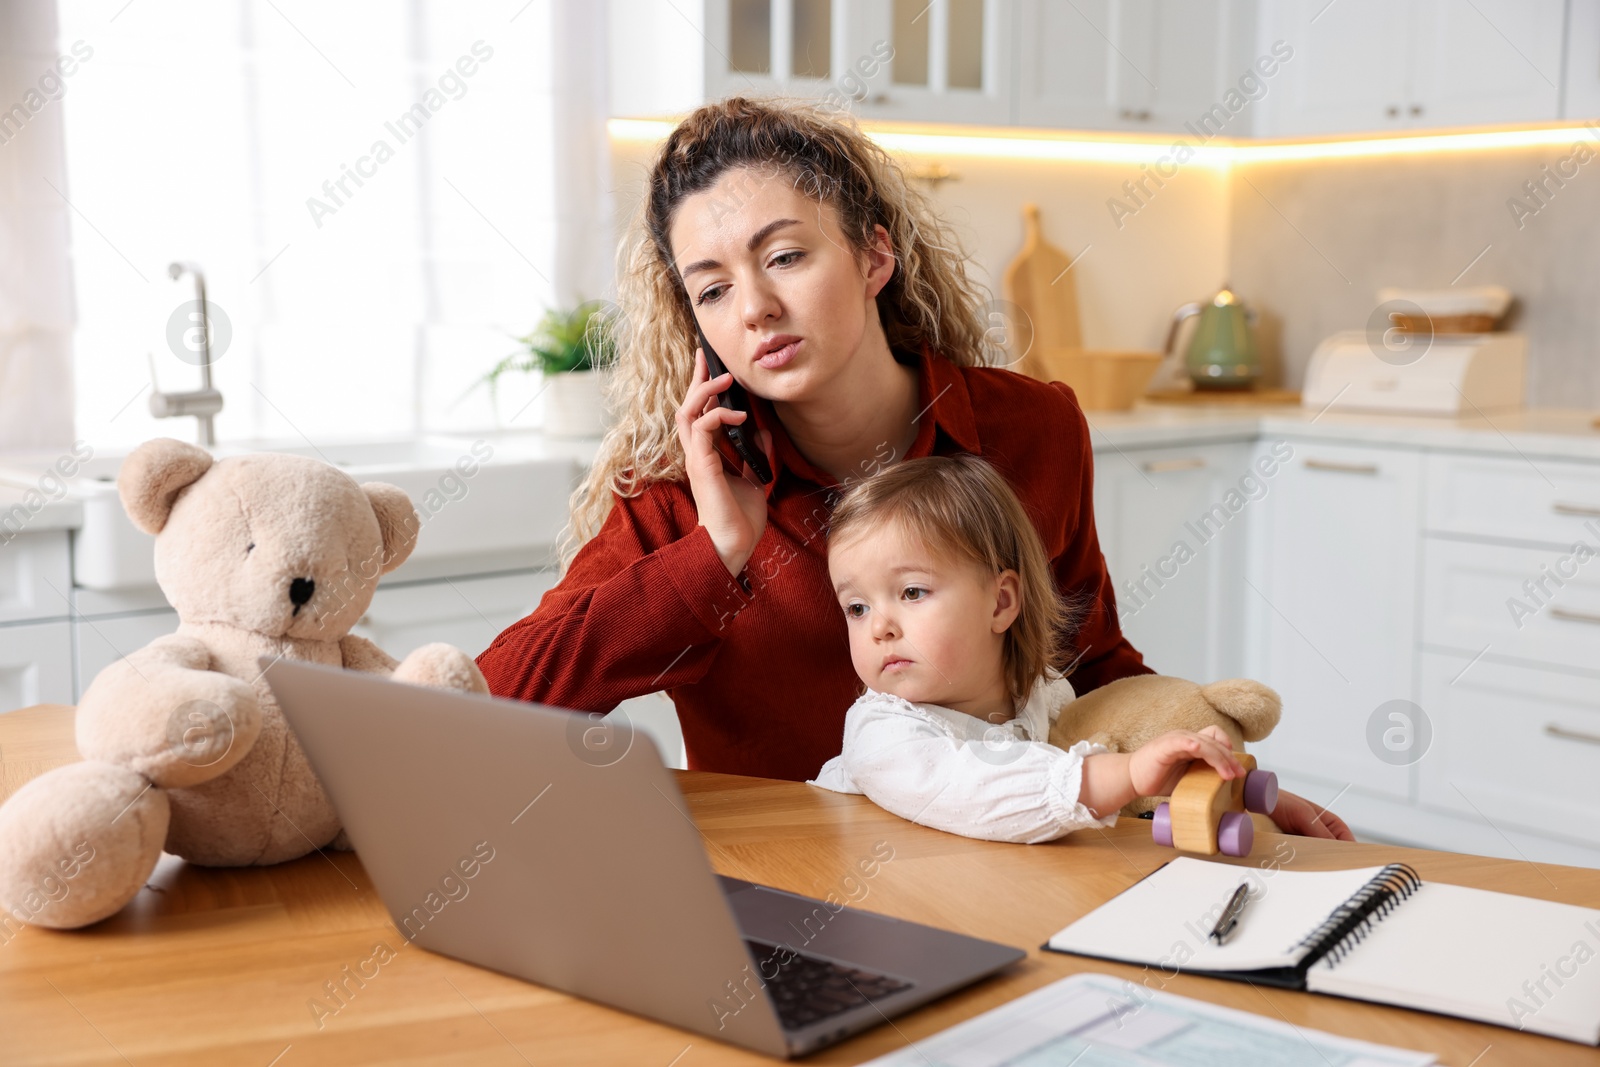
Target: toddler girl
x: 954, y: 625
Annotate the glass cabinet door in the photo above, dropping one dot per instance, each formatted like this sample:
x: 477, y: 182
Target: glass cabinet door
x: 912, y: 60
x: 750, y: 37
x: 945, y: 59
x: 760, y: 47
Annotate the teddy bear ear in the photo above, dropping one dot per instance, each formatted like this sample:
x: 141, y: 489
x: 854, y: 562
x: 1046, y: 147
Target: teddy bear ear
x: 1255, y: 707
x: 397, y: 521
x: 152, y: 477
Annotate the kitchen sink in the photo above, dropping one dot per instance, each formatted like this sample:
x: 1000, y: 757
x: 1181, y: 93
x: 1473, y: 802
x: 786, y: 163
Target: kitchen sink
x: 514, y: 498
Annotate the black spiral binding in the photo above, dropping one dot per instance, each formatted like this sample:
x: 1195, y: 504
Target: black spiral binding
x: 1350, y: 922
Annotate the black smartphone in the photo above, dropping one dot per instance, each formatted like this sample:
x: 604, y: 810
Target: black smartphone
x: 743, y: 436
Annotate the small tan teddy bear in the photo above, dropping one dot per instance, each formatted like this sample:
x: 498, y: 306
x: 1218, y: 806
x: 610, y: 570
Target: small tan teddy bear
x: 184, y: 747
x: 1126, y: 713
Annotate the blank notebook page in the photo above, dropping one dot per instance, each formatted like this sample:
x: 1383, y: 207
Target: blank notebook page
x: 1167, y: 916
x: 1468, y: 952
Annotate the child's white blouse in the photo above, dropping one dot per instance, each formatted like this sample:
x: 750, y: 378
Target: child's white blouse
x: 955, y: 772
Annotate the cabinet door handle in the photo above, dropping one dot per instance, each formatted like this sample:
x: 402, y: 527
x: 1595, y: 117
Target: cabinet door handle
x: 1575, y: 616
x: 1416, y: 109
x: 1165, y: 466
x: 1342, y: 468
x: 1392, y: 111
x: 1573, y: 509
x: 1571, y: 735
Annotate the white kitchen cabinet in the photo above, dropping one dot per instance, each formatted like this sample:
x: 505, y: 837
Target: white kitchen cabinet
x: 658, y: 56
x: 465, y: 612
x: 469, y: 612
x: 35, y: 637
x: 1334, y: 562
x: 1146, y: 65
x: 1581, y: 96
x: 100, y: 642
x: 1143, y: 65
x: 1198, y: 68
x: 35, y: 665
x: 1512, y: 747
x: 769, y: 46
x: 1350, y: 69
x: 1392, y: 65
x: 1539, y: 605
x: 896, y: 60
x: 668, y: 57
x: 1172, y: 527
x: 1489, y: 61
x: 35, y: 576
x: 949, y: 60
x: 1512, y: 498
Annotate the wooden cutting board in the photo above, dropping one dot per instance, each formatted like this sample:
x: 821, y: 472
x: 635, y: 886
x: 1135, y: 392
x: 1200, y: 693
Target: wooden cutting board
x: 1041, y: 285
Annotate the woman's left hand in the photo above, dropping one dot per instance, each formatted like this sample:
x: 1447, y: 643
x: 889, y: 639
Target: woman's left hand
x: 1297, y: 815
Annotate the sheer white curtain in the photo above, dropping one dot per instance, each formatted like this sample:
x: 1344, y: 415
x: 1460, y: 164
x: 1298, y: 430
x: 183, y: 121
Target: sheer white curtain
x: 35, y: 274
x: 379, y: 193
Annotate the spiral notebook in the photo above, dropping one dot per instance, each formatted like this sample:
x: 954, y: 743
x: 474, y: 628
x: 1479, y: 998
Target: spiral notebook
x: 1373, y: 933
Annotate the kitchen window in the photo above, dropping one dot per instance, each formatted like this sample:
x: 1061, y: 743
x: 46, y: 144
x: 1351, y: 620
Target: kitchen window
x: 379, y: 196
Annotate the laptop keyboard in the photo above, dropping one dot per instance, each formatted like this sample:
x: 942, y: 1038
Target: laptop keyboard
x: 807, y: 989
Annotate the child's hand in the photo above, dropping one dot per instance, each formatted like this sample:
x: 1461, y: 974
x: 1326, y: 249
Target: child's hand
x: 1156, y: 767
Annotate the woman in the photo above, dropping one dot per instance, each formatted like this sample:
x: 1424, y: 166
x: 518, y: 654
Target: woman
x: 841, y: 303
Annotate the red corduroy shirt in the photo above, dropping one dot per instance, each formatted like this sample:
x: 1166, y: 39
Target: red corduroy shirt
x: 759, y: 667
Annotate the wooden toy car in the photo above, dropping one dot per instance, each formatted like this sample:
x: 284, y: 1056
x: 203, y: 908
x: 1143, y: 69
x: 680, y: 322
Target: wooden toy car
x: 1207, y: 815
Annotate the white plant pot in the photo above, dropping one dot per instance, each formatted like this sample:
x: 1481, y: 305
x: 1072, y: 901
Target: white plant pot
x: 517, y: 403
x: 574, y: 404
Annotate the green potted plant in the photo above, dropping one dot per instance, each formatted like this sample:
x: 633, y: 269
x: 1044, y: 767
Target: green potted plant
x: 571, y: 348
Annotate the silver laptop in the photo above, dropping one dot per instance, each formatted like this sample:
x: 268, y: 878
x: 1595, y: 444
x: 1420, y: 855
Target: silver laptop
x: 555, y: 846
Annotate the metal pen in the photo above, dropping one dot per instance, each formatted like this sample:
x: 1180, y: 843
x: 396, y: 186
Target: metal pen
x: 1229, y: 919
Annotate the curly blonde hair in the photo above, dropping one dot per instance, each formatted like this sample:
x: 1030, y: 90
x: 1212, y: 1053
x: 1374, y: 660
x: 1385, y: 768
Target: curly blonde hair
x: 961, y: 508
x: 929, y: 301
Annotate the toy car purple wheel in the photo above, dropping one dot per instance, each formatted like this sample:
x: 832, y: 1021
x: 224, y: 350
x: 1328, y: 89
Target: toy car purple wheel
x: 1235, y: 834
x: 1161, y: 825
x: 1260, y: 792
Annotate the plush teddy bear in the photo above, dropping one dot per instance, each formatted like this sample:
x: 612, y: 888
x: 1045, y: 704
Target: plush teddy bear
x: 185, y: 749
x: 1126, y: 713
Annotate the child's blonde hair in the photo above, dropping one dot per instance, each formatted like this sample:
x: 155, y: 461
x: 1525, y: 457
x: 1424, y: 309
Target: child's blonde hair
x: 961, y: 508
x: 930, y: 300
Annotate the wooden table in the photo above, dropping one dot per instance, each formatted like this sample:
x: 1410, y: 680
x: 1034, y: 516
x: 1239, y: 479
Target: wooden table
x: 209, y: 966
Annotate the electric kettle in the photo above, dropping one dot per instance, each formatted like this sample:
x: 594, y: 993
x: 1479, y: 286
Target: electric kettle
x: 1222, y: 352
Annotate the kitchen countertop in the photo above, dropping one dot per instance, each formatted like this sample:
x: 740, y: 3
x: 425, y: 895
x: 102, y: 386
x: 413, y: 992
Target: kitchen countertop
x: 1535, y: 432
x: 1544, y: 432
x: 62, y: 514
x: 1547, y: 432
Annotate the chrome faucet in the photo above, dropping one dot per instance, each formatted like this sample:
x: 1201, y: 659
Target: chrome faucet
x: 202, y: 403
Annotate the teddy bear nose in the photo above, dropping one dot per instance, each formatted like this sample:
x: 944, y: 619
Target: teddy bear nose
x: 300, y: 591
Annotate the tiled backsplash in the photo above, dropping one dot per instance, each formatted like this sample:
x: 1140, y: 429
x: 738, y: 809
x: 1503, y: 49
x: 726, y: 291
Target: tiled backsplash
x: 1312, y: 242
